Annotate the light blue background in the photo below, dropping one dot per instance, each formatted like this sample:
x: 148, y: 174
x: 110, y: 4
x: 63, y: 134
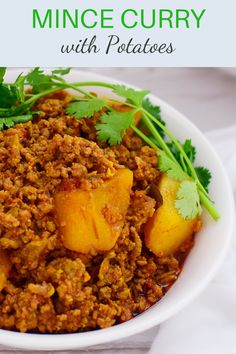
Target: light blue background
x: 212, y: 45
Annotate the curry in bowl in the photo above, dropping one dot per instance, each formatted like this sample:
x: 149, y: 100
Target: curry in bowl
x: 99, y: 205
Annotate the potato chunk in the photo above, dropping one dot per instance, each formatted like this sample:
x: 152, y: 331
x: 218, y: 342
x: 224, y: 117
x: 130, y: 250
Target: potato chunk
x: 166, y: 230
x: 5, y: 267
x: 93, y: 220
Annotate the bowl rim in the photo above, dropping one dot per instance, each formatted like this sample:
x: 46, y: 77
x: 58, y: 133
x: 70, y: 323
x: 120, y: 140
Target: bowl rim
x: 85, y: 339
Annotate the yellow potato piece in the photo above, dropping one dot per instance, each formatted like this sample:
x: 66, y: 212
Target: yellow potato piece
x: 166, y: 230
x: 93, y: 220
x: 5, y: 267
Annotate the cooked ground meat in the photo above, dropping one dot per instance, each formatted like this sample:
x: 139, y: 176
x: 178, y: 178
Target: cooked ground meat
x: 51, y: 289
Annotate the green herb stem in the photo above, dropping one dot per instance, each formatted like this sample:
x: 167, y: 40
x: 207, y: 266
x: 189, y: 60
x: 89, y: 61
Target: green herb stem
x: 76, y: 88
x: 179, y: 147
x: 157, y: 136
x: 209, y: 206
x: 28, y: 103
x: 144, y: 137
x: 205, y: 198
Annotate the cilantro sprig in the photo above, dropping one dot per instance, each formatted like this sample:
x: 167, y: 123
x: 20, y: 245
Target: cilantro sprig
x: 187, y: 200
x: 113, y: 126
x: 176, y: 159
x: 86, y: 109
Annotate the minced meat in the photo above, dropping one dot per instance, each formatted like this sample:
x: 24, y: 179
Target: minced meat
x: 51, y: 289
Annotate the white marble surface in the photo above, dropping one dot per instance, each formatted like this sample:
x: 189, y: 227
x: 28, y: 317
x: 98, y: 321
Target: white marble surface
x: 206, y: 96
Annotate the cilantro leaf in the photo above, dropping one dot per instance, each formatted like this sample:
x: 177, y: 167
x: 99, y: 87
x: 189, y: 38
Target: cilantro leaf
x: 85, y: 109
x: 113, y: 126
x: 170, y: 167
x: 188, y: 148
x: 2, y: 74
x: 62, y: 71
x: 174, y: 150
x: 8, y: 96
x: 187, y: 200
x: 41, y: 82
x: 155, y: 111
x: 38, y: 80
x: 204, y: 176
x: 9, y: 122
x: 19, y: 86
x: 133, y: 96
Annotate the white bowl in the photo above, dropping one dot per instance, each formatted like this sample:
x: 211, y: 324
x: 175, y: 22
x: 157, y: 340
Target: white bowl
x: 200, y: 266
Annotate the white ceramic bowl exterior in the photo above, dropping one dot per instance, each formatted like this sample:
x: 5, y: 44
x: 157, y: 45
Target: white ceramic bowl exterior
x: 200, y: 266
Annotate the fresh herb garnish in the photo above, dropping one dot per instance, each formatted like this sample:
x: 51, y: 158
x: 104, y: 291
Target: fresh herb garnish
x: 187, y: 200
x: 9, y: 122
x: 204, y: 176
x: 15, y: 101
x: 132, y: 96
x: 155, y: 111
x: 113, y: 126
x: 62, y: 71
x: 187, y: 146
x: 41, y: 82
x: 86, y: 109
x: 8, y: 96
x: 2, y: 74
x: 171, y: 168
x: 175, y: 159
